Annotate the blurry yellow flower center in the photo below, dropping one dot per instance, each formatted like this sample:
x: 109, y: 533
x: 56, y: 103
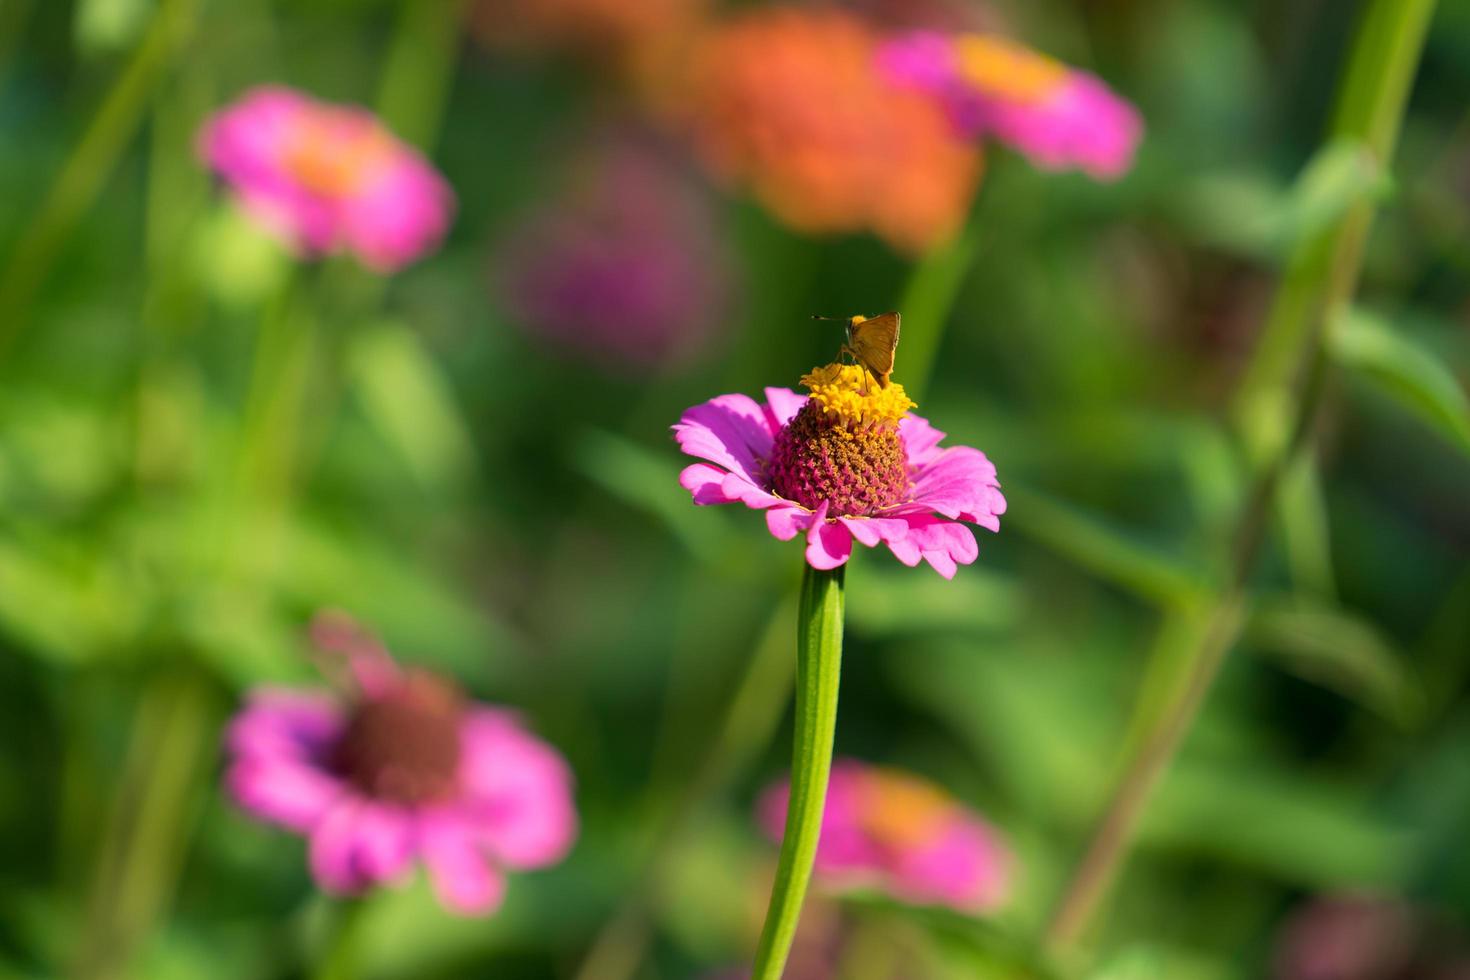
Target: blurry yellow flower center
x: 336, y: 153
x: 900, y: 810
x: 1008, y: 70
x: 854, y: 395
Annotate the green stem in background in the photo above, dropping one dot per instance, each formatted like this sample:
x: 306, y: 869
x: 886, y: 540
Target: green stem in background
x: 146, y: 838
x: 81, y: 177
x: 420, y: 67
x: 818, y: 668
x: 928, y: 298
x: 1322, y: 271
x: 1281, y: 396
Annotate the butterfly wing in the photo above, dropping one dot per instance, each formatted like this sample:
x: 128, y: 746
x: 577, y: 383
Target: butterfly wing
x: 875, y: 343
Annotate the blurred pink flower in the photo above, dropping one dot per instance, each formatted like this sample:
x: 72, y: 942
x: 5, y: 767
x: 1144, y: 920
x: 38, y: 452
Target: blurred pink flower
x: 847, y: 463
x: 1058, y: 117
x: 625, y: 266
x: 404, y: 771
x: 1365, y: 936
x: 892, y: 830
x: 327, y: 177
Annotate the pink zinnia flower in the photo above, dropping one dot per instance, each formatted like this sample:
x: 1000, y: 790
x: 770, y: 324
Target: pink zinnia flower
x: 846, y: 463
x: 404, y: 771
x: 328, y: 177
x: 891, y: 830
x: 1058, y: 117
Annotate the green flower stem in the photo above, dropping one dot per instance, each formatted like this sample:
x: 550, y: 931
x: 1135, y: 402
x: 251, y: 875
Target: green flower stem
x: 1280, y: 398
x: 341, y: 950
x: 818, y: 667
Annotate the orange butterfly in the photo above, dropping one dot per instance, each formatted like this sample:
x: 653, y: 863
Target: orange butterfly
x: 872, y: 342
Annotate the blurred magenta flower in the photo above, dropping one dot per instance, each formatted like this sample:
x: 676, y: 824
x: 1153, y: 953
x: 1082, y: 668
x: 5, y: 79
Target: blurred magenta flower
x: 897, y: 832
x: 625, y: 266
x: 789, y: 102
x: 405, y: 770
x: 847, y: 462
x: 1058, y: 117
x: 328, y: 177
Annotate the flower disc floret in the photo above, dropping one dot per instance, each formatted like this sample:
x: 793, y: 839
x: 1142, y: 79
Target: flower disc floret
x: 851, y: 393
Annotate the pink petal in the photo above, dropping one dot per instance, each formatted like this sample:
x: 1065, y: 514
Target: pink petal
x: 462, y: 877
x: 960, y: 483
x: 292, y: 794
x: 731, y: 431
x: 384, y: 841
x: 966, y: 868
x: 706, y: 484
x: 333, y: 843
x: 828, y: 543
x: 360, y: 843
x: 943, y: 543
x: 920, y: 439
x: 782, y: 406
x: 518, y: 791
x: 284, y: 724
x: 400, y: 217
x: 786, y: 522
x: 872, y: 531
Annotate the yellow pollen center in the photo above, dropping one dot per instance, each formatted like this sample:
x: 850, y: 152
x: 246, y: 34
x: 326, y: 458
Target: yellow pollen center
x: 900, y: 810
x: 853, y: 395
x: 1008, y: 70
x: 335, y: 153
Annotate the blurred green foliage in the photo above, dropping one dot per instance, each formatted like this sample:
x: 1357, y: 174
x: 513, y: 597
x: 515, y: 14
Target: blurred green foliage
x: 511, y: 516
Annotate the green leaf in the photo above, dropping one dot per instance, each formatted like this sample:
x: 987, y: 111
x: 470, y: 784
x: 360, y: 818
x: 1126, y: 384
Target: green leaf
x: 1248, y: 213
x: 1302, y: 509
x: 1367, y: 344
x: 409, y: 400
x: 1341, y: 174
x: 1345, y: 653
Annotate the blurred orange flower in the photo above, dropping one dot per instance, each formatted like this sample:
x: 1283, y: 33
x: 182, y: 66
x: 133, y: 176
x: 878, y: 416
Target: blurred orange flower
x: 788, y: 102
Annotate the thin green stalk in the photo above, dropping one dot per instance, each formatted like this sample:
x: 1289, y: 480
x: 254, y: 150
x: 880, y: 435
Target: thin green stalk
x: 146, y: 837
x: 81, y: 178
x: 818, y: 667
x: 1279, y: 402
x: 341, y: 953
x: 1322, y: 272
x: 419, y: 68
x: 928, y: 297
